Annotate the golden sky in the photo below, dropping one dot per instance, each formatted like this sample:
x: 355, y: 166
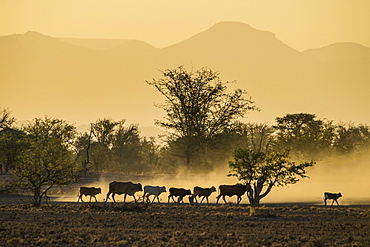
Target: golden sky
x: 300, y: 24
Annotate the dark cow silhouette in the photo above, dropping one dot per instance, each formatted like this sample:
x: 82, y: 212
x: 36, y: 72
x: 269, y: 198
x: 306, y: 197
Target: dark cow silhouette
x: 203, y: 192
x: 126, y: 188
x: 88, y: 191
x: 332, y: 196
x: 180, y: 193
x: 231, y: 190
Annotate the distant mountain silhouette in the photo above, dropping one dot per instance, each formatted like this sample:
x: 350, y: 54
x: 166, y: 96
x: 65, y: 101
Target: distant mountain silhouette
x: 347, y: 76
x: 98, y: 44
x: 341, y: 52
x: 41, y: 75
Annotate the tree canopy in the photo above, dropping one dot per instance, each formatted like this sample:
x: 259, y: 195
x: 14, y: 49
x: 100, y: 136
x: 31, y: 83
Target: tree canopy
x: 198, y: 106
x: 303, y: 133
x: 48, y: 160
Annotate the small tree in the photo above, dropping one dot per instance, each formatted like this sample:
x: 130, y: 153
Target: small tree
x: 261, y: 171
x: 48, y: 161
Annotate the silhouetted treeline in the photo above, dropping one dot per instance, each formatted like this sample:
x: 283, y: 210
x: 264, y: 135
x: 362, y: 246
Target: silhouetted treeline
x: 113, y: 146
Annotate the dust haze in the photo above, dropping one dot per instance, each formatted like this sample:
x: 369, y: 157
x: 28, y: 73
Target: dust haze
x: 85, y: 79
x: 348, y: 174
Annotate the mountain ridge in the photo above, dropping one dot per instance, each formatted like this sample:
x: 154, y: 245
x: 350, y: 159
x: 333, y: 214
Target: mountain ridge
x: 75, y: 82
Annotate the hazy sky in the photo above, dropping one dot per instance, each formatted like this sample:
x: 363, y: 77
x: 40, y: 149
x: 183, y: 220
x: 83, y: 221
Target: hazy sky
x: 300, y: 24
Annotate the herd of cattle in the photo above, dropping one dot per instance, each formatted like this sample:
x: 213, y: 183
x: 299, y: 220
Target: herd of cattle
x: 129, y: 188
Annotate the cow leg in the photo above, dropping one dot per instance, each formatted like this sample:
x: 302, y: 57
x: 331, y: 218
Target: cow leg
x: 203, y: 199
x: 217, y: 198
x: 173, y: 199
x: 181, y: 199
x: 90, y: 198
x: 195, y: 197
x: 113, y: 197
x: 332, y: 202
x: 95, y: 199
x: 239, y: 199
x: 223, y: 197
x: 336, y: 201
x: 206, y: 197
x: 325, y: 201
x: 145, y: 198
x: 79, y: 197
x: 106, y: 199
x: 157, y: 198
x: 134, y: 198
x: 124, y: 198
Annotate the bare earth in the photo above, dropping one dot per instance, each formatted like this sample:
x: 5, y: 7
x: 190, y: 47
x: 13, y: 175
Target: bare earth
x: 130, y: 224
x: 64, y: 222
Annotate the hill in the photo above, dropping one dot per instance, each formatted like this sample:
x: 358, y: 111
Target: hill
x: 41, y: 75
x: 98, y: 44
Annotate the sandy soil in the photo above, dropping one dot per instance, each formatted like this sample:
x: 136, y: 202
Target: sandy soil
x: 130, y: 224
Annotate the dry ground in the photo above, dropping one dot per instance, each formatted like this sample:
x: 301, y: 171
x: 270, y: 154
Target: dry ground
x: 108, y: 224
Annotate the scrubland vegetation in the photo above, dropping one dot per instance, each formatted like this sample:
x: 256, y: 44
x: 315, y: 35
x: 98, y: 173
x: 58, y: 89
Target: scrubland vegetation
x: 205, y: 134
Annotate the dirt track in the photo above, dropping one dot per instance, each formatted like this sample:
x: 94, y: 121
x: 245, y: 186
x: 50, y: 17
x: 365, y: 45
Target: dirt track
x: 100, y: 224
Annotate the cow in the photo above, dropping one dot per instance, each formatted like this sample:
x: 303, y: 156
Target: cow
x: 178, y: 192
x: 231, y: 190
x: 332, y: 196
x: 203, y: 192
x: 153, y: 190
x: 88, y: 191
x: 126, y: 188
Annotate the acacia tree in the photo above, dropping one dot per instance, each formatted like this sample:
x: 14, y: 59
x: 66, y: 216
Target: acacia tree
x: 261, y: 171
x: 304, y: 134
x: 103, y: 131
x: 48, y: 160
x: 11, y: 142
x: 127, y: 148
x: 198, y: 106
x: 5, y: 119
x: 112, y: 146
x: 350, y: 138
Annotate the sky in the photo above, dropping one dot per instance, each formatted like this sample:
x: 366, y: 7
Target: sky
x: 300, y: 24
